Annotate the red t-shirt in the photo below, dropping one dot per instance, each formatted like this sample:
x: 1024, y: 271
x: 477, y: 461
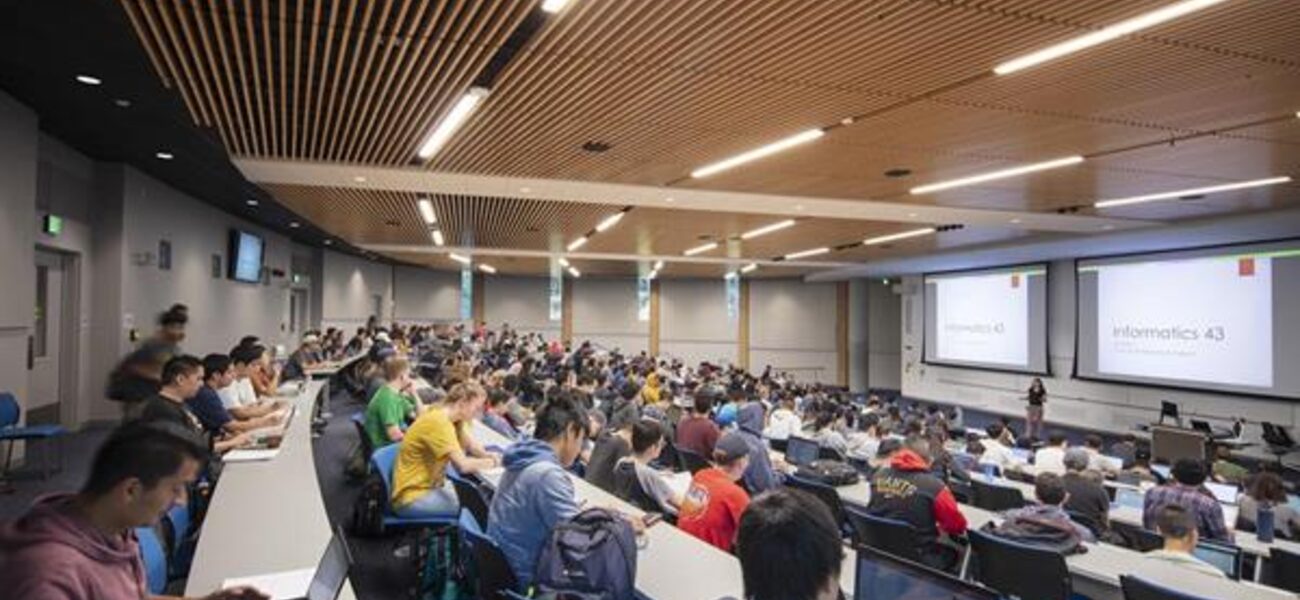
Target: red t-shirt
x: 712, y: 508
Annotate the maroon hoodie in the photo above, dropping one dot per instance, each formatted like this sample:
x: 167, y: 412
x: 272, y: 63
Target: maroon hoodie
x: 52, y: 554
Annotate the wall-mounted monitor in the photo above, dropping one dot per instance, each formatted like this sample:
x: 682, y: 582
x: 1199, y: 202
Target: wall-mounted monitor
x: 247, y: 251
x: 1222, y: 319
x: 988, y: 319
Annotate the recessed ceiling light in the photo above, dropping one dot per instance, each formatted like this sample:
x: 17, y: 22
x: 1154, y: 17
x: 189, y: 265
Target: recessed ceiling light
x: 911, y: 215
x: 1227, y: 187
x: 164, y: 155
x: 451, y: 122
x: 757, y: 153
x: 89, y: 80
x: 460, y: 258
x: 749, y: 268
x: 122, y: 103
x: 554, y: 6
x: 251, y: 202
x: 564, y: 262
x: 486, y: 268
x: 766, y: 229
x: 652, y: 275
x: 730, y: 275
x: 807, y: 253
x: 596, y: 147
x: 893, y: 237
x: 994, y: 175
x: 846, y: 121
x: 659, y: 264
x: 670, y: 200
x: 294, y: 225
x: 359, y: 179
x: 525, y: 190
x: 701, y: 249
x: 897, y: 173
x: 578, y: 243
x: 438, y: 240
x: 798, y: 207
x: 574, y: 272
x: 1107, y: 227
x: 426, y: 211
x: 1015, y: 221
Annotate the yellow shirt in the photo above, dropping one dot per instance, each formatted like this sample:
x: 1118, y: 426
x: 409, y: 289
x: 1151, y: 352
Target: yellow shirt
x: 424, y: 452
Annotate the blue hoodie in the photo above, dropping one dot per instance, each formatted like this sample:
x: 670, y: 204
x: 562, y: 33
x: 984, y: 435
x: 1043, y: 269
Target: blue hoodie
x: 534, y: 495
x: 760, y: 476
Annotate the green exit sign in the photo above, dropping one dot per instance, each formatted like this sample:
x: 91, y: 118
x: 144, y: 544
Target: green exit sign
x: 53, y: 224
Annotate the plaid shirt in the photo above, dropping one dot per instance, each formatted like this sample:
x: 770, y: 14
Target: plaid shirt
x: 1197, y: 500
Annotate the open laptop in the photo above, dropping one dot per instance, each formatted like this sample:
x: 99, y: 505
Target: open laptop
x: 1023, y: 455
x: 880, y: 575
x: 1223, y: 492
x: 322, y: 583
x: 1127, y: 497
x: 801, y: 451
x: 1224, y: 558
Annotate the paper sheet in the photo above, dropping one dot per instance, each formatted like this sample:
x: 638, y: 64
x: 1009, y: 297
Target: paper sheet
x: 250, y: 455
x: 286, y: 585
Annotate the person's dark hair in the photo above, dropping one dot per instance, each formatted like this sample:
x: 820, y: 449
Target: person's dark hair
x: 215, y: 364
x: 789, y: 546
x: 243, y: 355
x: 1142, y: 455
x: 1049, y: 488
x: 1189, y: 471
x: 866, y: 422
x: 510, y: 383
x: 703, y: 403
x: 560, y: 414
x: 247, y: 340
x: 1175, y: 521
x: 994, y: 430
x: 145, y: 450
x: 497, y: 397
x: 176, y: 315
x: 1093, y: 441
x: 1055, y: 438
x: 629, y: 390
x: 645, y: 434
x: 179, y: 366
x: 1267, y: 487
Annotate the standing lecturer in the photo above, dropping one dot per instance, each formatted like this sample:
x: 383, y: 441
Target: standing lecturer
x: 1037, y: 397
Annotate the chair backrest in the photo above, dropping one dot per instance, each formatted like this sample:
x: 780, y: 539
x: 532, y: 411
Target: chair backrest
x: 887, y: 535
x: 1020, y: 570
x: 691, y: 461
x: 668, y: 458
x: 367, y: 448
x: 155, y: 559
x: 492, y: 570
x: 1136, y: 588
x: 1085, y: 520
x: 10, y: 412
x: 1285, y: 571
x: 1142, y: 540
x: 177, y: 520
x: 382, y: 461
x: 823, y: 492
x: 471, y: 497
x: 994, y: 497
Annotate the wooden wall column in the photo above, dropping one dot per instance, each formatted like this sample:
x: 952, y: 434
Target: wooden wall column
x: 654, y: 317
x: 842, y: 331
x: 742, y: 336
x: 477, y: 299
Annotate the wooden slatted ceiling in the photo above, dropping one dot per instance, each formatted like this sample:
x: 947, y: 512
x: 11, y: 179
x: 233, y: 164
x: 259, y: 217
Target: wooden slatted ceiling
x: 595, y: 268
x: 346, y: 80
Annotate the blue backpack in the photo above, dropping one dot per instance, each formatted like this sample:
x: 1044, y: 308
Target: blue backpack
x: 589, y: 557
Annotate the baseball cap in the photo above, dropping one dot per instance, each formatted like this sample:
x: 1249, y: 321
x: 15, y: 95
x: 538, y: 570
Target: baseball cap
x: 730, y: 448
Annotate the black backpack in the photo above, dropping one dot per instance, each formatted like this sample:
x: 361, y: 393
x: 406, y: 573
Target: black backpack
x: 589, y: 557
x: 368, y: 511
x: 830, y: 472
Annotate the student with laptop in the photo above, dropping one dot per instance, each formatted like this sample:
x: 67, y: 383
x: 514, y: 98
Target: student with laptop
x: 789, y: 548
x: 1187, y: 491
x: 639, y: 483
x: 760, y: 476
x: 239, y: 398
x: 1046, y: 520
x: 182, y: 377
x: 1266, y: 489
x: 1088, y: 496
x: 81, y: 546
x: 1051, y: 458
x: 996, y: 451
x: 907, y: 491
x: 1096, y: 460
x: 206, y: 403
x: 1178, y: 527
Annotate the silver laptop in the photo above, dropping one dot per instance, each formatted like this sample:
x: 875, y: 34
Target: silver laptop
x: 332, y: 570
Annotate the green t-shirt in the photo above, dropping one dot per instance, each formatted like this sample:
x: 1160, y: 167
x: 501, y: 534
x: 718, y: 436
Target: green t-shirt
x: 386, y: 408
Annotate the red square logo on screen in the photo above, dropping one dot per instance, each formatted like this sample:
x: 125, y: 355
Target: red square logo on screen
x: 1015, y: 280
x: 1246, y: 267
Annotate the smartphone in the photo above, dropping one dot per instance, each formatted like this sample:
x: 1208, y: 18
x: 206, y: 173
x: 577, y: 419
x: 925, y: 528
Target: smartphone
x: 652, y: 518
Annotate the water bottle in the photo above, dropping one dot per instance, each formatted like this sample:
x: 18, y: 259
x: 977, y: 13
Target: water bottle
x: 1264, y: 524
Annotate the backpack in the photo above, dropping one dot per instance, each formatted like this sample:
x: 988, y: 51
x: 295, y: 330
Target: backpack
x: 1049, y: 534
x: 830, y: 472
x: 589, y: 557
x: 368, y: 510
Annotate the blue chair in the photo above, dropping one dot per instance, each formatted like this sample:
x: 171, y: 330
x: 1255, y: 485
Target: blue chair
x: 155, y: 559
x: 493, y: 577
x: 1141, y: 589
x: 176, y: 526
x: 10, y: 432
x: 383, y: 461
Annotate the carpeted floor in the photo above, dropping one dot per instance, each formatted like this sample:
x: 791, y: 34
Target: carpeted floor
x: 27, y: 484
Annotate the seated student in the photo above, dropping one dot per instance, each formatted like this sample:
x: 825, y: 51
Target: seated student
x: 789, y: 548
x: 439, y: 436
x: 535, y: 493
x: 1088, y: 496
x: 182, y: 377
x: 760, y: 476
x: 1051, y: 458
x: 1049, y: 490
x: 393, y: 405
x: 626, y: 407
x: 303, y: 358
x: 697, y: 432
x: 783, y: 422
x: 612, y: 445
x: 1141, y: 471
x: 496, y: 415
x: 713, y: 504
x: 826, y: 429
x: 1187, y: 491
x: 1178, y: 527
x: 1266, y: 489
x: 996, y: 451
x: 1096, y: 460
x: 82, y: 546
x: 240, y: 398
x: 907, y: 491
x: 1226, y: 471
x: 206, y: 403
x: 636, y: 481
x: 864, y: 442
x: 1125, y: 449
x: 264, y: 374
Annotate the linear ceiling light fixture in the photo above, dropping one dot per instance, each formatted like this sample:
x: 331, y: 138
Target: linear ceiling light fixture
x: 1106, y: 34
x: 995, y: 175
x: 452, y: 121
x: 701, y: 249
x: 575, y: 273
x: 749, y: 268
x: 436, y: 234
x: 757, y: 153
x: 554, y: 6
x: 893, y: 237
x: 659, y: 264
x: 1213, y: 189
x: 564, y: 262
x: 489, y: 269
x: 578, y: 243
x: 426, y: 211
x: 612, y: 220
x: 807, y: 253
x: 460, y: 258
x: 766, y: 229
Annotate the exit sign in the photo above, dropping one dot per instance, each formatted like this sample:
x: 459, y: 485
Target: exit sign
x: 52, y: 224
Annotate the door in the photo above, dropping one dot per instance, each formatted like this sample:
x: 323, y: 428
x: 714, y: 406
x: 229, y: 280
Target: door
x: 377, y: 307
x: 298, y: 318
x: 47, y: 339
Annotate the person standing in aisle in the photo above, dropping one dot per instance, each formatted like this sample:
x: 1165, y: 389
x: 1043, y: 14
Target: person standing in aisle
x: 1037, y: 397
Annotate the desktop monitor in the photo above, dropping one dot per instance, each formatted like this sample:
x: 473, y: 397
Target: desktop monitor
x: 1223, y: 492
x: 881, y: 575
x: 1224, y: 558
x: 801, y: 451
